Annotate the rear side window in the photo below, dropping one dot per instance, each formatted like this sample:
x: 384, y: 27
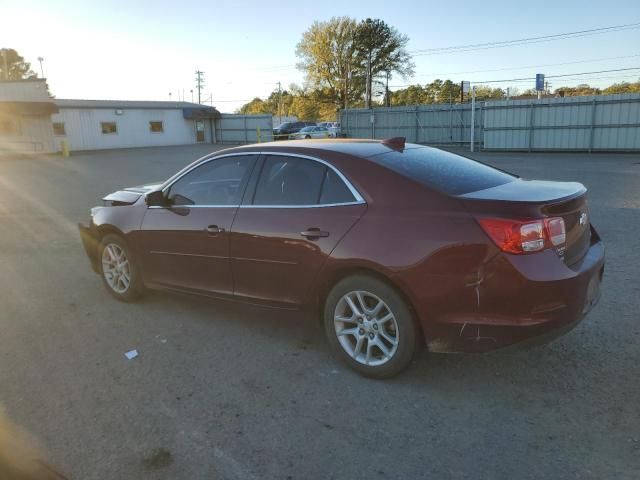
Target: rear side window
x: 289, y: 181
x: 334, y: 190
x: 443, y: 171
x: 298, y: 181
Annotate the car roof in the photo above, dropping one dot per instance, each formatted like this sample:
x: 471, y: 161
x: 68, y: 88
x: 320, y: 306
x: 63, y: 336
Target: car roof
x: 362, y: 148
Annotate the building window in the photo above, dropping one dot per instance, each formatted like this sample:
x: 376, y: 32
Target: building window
x: 156, y: 127
x: 58, y: 128
x: 109, y: 127
x: 9, y: 126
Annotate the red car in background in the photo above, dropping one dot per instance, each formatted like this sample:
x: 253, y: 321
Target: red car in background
x: 394, y: 244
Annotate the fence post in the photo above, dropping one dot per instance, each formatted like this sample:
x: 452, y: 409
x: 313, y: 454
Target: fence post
x: 417, y: 124
x: 531, y: 125
x: 246, y: 134
x: 593, y: 121
x: 372, y: 120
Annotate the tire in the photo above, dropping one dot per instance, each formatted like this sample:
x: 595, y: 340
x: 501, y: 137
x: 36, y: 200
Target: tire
x: 308, y: 137
x: 399, y: 333
x: 126, y: 284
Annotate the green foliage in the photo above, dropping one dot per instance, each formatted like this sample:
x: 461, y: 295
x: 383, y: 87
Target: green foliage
x: 380, y: 50
x: 578, y: 91
x: 17, y: 68
x: 327, y: 52
x: 623, y: 87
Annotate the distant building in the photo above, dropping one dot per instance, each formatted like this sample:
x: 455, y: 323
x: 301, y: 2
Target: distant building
x: 104, y: 124
x: 25, y: 117
x: 31, y: 121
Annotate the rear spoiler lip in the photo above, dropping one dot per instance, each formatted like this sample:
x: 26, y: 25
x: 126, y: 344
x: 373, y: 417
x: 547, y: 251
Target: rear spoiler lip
x: 529, y: 191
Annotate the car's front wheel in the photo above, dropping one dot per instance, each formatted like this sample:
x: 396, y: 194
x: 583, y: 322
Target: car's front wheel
x: 119, y: 272
x: 370, y: 326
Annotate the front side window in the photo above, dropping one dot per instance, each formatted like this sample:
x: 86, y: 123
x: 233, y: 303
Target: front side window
x: 109, y: 128
x: 218, y: 182
x: 156, y: 127
x: 58, y: 128
x: 299, y: 182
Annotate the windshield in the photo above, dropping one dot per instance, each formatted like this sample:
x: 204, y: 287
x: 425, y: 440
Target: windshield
x: 284, y: 125
x: 308, y: 129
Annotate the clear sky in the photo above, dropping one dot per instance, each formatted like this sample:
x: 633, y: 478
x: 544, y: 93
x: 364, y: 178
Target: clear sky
x: 141, y: 49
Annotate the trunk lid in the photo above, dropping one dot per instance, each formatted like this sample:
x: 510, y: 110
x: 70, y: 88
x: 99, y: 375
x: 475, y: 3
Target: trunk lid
x: 523, y: 199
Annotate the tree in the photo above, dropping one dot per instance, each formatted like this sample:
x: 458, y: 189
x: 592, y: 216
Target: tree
x: 17, y: 68
x: 623, y: 87
x: 327, y: 54
x: 578, y: 91
x: 380, y: 49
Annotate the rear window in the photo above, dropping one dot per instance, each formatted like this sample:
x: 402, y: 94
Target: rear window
x: 443, y: 171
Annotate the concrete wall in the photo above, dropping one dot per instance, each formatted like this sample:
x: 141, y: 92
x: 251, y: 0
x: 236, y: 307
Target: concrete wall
x: 83, y: 128
x: 24, y: 91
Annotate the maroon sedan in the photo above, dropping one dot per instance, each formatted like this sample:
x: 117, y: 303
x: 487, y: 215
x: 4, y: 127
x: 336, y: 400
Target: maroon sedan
x: 394, y: 244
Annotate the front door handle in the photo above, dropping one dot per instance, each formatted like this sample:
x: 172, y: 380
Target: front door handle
x: 214, y: 229
x: 314, y: 232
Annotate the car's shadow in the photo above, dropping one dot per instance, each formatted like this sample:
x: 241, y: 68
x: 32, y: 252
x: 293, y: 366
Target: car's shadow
x: 298, y: 331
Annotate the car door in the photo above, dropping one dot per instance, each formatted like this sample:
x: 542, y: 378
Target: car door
x: 289, y: 223
x: 186, y: 243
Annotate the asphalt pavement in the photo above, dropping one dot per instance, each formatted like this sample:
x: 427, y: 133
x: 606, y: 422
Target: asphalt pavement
x: 222, y: 390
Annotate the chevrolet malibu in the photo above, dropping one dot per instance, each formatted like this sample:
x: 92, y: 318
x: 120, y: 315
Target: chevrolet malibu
x: 396, y: 245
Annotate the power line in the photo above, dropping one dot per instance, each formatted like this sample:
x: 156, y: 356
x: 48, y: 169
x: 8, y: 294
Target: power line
x: 546, y: 76
x: 523, y: 41
x: 527, y: 66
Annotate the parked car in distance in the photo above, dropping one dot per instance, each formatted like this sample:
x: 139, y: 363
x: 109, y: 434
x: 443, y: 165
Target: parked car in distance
x: 395, y: 245
x: 283, y: 131
x: 333, y: 127
x: 310, y: 132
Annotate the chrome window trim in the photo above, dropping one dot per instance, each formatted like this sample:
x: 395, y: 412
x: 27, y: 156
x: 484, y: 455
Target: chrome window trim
x: 359, y: 200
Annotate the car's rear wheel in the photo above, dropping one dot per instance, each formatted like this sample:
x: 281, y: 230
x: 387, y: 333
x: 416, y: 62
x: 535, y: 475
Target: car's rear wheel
x: 118, y: 270
x: 370, y: 326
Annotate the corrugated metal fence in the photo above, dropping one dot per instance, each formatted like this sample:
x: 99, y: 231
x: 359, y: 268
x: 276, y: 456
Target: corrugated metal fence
x: 234, y: 128
x: 595, y: 123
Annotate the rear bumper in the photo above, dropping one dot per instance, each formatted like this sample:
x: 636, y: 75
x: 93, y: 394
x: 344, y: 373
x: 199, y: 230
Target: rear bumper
x: 521, y: 300
x: 89, y: 237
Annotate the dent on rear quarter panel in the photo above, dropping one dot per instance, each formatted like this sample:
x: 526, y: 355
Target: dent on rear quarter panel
x: 433, y: 252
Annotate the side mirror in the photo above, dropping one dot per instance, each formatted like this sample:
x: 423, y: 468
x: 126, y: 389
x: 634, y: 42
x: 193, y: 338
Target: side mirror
x: 156, y: 199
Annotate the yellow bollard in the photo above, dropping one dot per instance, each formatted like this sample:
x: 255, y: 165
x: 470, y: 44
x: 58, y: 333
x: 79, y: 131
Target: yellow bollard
x: 64, y: 146
x: 259, y: 135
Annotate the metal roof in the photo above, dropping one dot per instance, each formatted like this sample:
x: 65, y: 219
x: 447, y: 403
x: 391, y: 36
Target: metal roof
x: 124, y: 104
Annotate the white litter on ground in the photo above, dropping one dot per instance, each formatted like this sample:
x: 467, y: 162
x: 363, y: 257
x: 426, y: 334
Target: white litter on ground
x: 131, y: 355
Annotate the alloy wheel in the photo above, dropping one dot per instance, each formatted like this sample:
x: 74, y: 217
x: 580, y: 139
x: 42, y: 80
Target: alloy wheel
x: 116, y: 268
x: 366, y: 328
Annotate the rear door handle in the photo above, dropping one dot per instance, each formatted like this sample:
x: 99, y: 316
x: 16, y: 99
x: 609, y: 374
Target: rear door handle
x: 214, y: 229
x: 314, y: 233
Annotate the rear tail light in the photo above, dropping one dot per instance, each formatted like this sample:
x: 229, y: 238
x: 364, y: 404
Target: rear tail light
x: 525, y: 236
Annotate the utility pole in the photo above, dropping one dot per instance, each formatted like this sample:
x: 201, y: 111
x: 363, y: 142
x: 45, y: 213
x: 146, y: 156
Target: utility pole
x: 191, y: 95
x: 199, y: 83
x: 279, y: 106
x: 473, y: 115
x: 367, y: 100
x: 386, y: 94
x: 40, y: 59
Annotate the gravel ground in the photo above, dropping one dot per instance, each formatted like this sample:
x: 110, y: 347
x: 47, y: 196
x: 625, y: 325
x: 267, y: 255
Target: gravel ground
x: 236, y: 392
